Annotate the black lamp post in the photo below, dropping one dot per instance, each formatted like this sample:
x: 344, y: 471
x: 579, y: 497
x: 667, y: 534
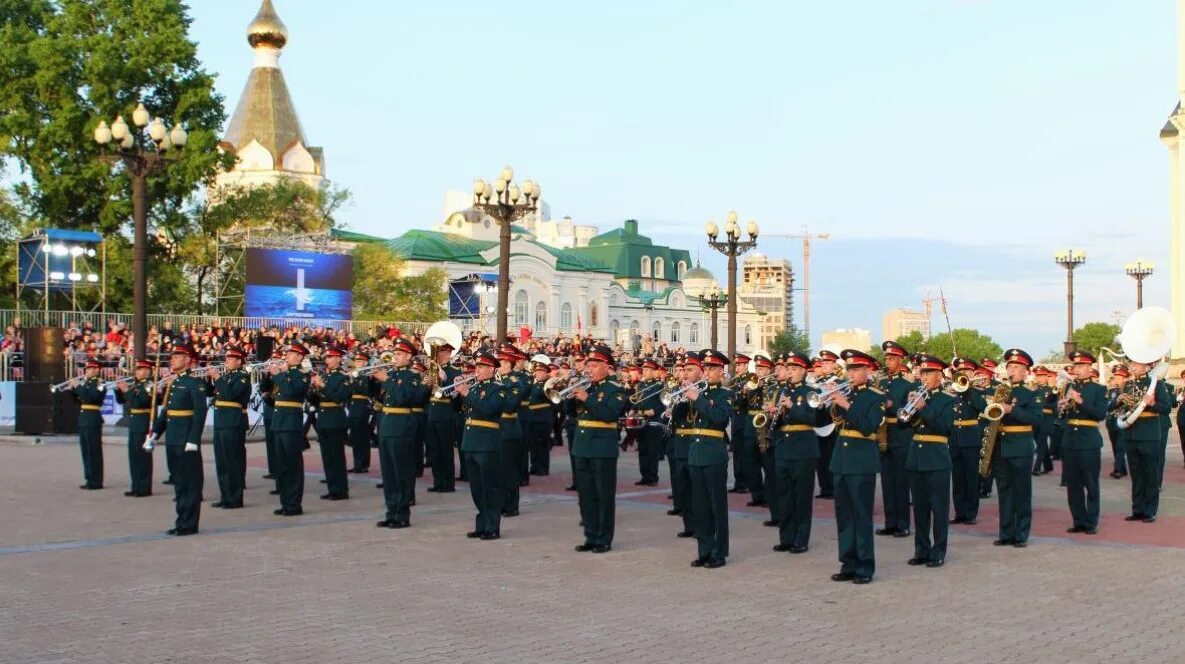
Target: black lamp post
x: 712, y: 301
x: 1070, y: 259
x: 508, y: 205
x: 1139, y: 270
x: 143, y: 150
x: 732, y: 246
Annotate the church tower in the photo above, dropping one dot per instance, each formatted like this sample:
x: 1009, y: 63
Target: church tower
x: 264, y: 133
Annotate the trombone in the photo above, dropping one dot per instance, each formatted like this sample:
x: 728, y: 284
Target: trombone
x: 451, y: 388
x: 386, y: 361
x: 653, y: 390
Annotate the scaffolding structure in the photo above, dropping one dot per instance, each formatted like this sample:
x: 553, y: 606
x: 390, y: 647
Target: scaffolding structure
x: 71, y: 264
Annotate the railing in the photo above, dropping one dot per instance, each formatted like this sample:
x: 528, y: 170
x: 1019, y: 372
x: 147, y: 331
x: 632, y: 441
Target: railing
x: 99, y: 320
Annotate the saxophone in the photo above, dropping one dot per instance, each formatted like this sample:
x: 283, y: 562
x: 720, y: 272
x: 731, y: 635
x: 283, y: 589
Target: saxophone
x: 994, y: 412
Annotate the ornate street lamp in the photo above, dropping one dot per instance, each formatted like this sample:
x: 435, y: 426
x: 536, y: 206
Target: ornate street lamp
x: 732, y: 246
x: 712, y: 301
x: 506, y: 203
x: 1139, y: 270
x: 1069, y: 259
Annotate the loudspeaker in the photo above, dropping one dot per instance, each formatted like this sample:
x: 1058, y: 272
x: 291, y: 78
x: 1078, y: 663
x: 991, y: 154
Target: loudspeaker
x: 263, y: 348
x: 44, y: 360
x: 39, y: 411
x: 34, y: 408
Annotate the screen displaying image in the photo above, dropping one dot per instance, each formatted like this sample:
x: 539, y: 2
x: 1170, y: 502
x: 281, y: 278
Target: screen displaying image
x: 299, y: 284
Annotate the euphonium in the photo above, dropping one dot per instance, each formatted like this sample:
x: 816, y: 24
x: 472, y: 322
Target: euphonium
x: 653, y: 390
x: 672, y: 397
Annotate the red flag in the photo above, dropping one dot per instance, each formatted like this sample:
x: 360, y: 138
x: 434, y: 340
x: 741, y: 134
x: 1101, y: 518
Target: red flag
x: 578, y: 325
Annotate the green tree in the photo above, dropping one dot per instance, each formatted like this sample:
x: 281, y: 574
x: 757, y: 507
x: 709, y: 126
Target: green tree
x: 64, y: 66
x: 1092, y: 336
x: 969, y: 343
x: 382, y: 292
x: 792, y: 339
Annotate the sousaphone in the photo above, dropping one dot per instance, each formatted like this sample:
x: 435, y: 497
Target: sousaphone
x: 1146, y: 337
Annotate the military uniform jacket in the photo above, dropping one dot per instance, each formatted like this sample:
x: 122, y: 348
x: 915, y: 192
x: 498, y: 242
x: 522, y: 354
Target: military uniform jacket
x: 402, y: 391
x: 137, y: 402
x: 183, y: 414
x: 1082, y: 420
x: 968, y: 427
x: 332, y: 400
x: 856, y: 451
x: 291, y: 389
x: 701, y: 423
x: 231, y: 392
x: 445, y: 409
x: 929, y: 446
x: 596, y: 421
x: 482, y: 408
x: 652, y: 403
x: 1147, y: 427
x: 266, y: 387
x: 794, y: 432
x: 897, y: 391
x: 362, y: 390
x: 513, y: 396
x: 90, y: 394
x: 539, y: 407
x: 1026, y: 414
x: 746, y: 404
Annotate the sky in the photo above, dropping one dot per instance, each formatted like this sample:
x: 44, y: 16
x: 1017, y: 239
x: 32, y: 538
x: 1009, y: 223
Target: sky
x: 940, y: 143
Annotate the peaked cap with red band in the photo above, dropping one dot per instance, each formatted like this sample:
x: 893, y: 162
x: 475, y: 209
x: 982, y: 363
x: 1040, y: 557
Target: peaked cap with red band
x: 894, y: 348
x: 858, y: 358
x: 1018, y: 356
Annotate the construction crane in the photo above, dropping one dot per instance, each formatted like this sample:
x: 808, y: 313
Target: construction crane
x: 806, y: 236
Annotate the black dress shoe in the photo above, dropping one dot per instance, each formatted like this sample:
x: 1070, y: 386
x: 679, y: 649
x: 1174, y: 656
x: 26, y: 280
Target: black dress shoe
x: 1002, y: 542
x: 218, y: 504
x: 640, y: 483
x: 713, y: 563
x: 699, y: 562
x: 1149, y: 519
x: 1020, y: 545
x: 685, y: 533
x: 432, y: 489
x: 756, y: 503
x: 283, y: 512
x: 181, y: 532
x: 510, y: 513
x: 886, y: 531
x: 901, y: 533
x: 169, y: 481
x: 843, y: 576
x: 936, y: 563
x: 771, y: 523
x: 400, y: 524
x: 1115, y: 475
x: 957, y: 520
x: 324, y: 481
x: 738, y: 489
x: 171, y: 531
x: 601, y: 548
x: 491, y: 536
x: 84, y: 487
x: 798, y: 548
x: 584, y: 547
x: 130, y: 494
x: 447, y: 490
x: 781, y: 548
x: 861, y: 580
x: 379, y: 485
x: 570, y: 487
x: 970, y: 522
x: 268, y: 476
x: 1134, y: 517
x: 1090, y: 531
x: 1037, y: 473
x: 335, y: 496
x: 233, y: 506
x: 1075, y: 529
x: 274, y: 492
x: 914, y: 562
x: 473, y: 534
x: 674, y: 512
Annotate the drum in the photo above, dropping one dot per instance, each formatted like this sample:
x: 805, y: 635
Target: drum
x: 632, y: 422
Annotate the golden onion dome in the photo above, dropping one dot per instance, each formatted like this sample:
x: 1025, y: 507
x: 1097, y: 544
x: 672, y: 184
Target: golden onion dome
x: 266, y: 29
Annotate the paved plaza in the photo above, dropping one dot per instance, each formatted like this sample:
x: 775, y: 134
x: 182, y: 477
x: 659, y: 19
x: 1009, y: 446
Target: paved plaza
x: 90, y: 577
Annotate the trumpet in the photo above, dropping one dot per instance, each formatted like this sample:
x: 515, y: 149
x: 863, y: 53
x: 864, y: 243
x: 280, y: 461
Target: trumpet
x: 451, y: 388
x: 255, y: 367
x: 66, y: 384
x: 823, y: 398
x: 366, y: 371
x: 118, y: 381
x: 678, y: 395
x: 653, y: 390
x: 555, y: 394
x: 917, y: 400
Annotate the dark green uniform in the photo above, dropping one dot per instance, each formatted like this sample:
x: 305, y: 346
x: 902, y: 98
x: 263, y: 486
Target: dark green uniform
x: 929, y: 466
x: 441, y: 437
x: 966, y: 439
x: 181, y: 420
x: 362, y: 389
x: 855, y: 462
x: 539, y: 417
x: 523, y: 454
x: 595, y: 450
x: 1082, y: 445
x: 267, y: 392
x: 332, y: 430
x: 746, y: 404
x: 1047, y: 397
x: 1144, y: 448
x: 137, y: 405
x: 1118, y: 449
x: 895, y: 480
x: 703, y: 422
x: 512, y: 442
x: 796, y: 452
x: 231, y: 392
x: 291, y: 388
x: 650, y: 439
x: 480, y: 442
x: 402, y: 391
x: 1014, y: 467
x: 90, y: 395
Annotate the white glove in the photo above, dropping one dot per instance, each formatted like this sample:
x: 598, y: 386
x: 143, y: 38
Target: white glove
x: 190, y: 447
x: 149, y: 444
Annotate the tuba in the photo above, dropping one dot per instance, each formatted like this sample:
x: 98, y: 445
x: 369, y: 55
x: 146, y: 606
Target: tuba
x: 440, y: 333
x: 1146, y: 337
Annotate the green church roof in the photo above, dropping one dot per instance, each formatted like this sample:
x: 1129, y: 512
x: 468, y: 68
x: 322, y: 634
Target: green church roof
x: 437, y: 246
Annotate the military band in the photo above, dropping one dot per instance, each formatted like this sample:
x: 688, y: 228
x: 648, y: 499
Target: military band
x: 180, y: 422
x: 331, y: 394
x: 89, y: 392
x: 290, y: 388
x: 595, y: 449
x: 402, y: 390
x: 1013, y: 468
x: 929, y: 462
x: 137, y: 397
x: 895, y: 479
x: 792, y: 421
x: 231, y: 389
